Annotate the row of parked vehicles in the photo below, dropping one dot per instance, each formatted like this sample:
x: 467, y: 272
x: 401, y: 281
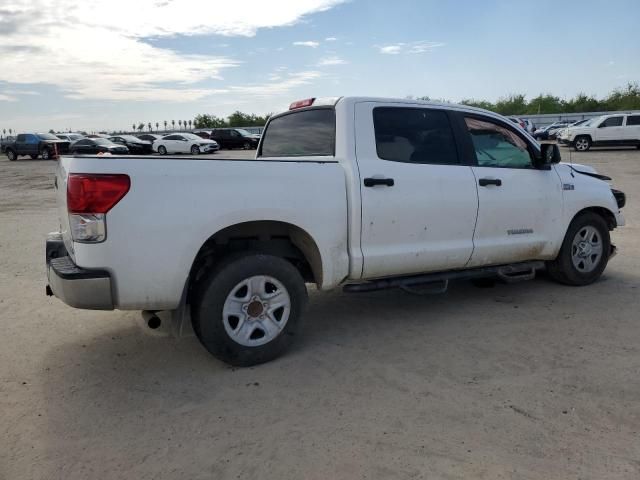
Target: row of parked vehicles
x: 47, y: 145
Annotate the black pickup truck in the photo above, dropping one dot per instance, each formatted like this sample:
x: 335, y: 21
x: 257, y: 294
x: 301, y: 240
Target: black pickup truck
x: 36, y: 144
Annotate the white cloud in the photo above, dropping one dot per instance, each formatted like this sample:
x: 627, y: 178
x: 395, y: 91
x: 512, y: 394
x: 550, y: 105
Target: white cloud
x: 331, y: 61
x: 410, y: 48
x: 277, y: 87
x: 94, y: 49
x: 308, y: 43
x: 330, y: 39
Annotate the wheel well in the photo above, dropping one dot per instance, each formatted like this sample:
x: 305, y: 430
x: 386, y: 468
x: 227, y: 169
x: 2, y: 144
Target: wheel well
x: 269, y: 237
x: 605, y: 213
x: 584, y: 135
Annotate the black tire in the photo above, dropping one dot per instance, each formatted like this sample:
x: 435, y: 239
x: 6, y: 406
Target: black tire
x: 162, y: 150
x: 563, y: 270
x: 246, y: 146
x: 46, y: 154
x: 582, y: 143
x: 33, y: 157
x: 195, y: 150
x: 212, y: 291
x: 11, y: 155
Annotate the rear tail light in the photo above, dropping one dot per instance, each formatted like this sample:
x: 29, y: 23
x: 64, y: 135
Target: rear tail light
x: 89, y: 197
x: 302, y: 103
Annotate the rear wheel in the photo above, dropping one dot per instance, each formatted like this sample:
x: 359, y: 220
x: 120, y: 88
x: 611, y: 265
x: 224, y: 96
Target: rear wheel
x: 247, y: 310
x: 162, y: 150
x: 11, y: 155
x: 46, y: 154
x: 584, y: 253
x: 582, y: 144
x: 195, y: 150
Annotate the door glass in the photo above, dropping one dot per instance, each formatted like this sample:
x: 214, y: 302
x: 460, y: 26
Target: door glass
x: 633, y: 120
x: 307, y: 132
x: 414, y: 135
x: 497, y: 146
x: 612, y: 122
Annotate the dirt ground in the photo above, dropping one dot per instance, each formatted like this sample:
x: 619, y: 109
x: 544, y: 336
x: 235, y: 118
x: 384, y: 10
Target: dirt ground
x: 525, y: 381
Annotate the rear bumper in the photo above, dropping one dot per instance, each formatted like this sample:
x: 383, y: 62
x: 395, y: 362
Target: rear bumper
x: 75, y: 286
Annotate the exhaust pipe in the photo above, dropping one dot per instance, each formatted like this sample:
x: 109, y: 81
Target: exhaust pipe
x: 152, y: 321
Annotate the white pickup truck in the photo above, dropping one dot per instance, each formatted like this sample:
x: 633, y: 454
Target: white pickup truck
x: 362, y: 192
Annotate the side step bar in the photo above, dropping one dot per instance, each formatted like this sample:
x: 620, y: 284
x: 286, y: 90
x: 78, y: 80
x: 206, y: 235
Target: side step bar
x: 516, y: 272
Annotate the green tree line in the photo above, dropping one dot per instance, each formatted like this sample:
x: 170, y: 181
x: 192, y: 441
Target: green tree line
x: 236, y: 119
x: 625, y: 98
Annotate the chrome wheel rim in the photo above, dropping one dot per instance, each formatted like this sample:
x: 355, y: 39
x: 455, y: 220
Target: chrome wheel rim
x: 582, y: 144
x: 195, y: 150
x: 586, y: 249
x: 256, y: 310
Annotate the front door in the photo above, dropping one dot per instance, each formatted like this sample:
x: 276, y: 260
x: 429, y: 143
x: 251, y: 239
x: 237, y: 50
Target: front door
x: 632, y: 129
x: 419, y: 201
x: 610, y: 131
x: 520, y: 206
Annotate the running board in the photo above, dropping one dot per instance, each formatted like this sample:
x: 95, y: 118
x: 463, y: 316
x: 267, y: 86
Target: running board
x: 512, y: 273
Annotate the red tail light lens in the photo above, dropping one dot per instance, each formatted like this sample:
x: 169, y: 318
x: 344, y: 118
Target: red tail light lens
x: 302, y: 103
x: 95, y: 193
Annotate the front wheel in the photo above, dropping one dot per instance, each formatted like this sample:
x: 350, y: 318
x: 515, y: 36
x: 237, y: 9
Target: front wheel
x: 584, y: 253
x: 582, y: 144
x: 247, y: 310
x: 11, y: 155
x: 246, y: 146
x: 195, y: 150
x: 162, y: 150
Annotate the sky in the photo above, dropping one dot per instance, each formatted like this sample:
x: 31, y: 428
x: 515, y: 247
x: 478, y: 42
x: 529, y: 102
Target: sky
x: 103, y: 65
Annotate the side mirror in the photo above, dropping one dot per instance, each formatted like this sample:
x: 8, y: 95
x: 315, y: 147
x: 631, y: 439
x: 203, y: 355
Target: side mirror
x: 549, y: 154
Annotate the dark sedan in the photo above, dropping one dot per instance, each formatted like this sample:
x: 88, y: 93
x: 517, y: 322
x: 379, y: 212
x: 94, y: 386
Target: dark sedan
x: 135, y: 145
x: 97, y: 145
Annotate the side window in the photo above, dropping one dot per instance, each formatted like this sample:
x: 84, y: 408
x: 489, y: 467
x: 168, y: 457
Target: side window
x: 234, y: 134
x: 21, y: 138
x: 633, y: 120
x: 301, y: 133
x: 612, y: 122
x: 497, y: 146
x: 31, y: 139
x: 83, y: 142
x: 414, y: 135
x: 171, y: 137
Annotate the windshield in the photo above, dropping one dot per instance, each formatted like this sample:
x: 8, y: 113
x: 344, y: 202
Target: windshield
x: 130, y: 138
x: 74, y: 136
x: 191, y: 136
x: 243, y: 132
x: 101, y: 141
x: 46, y: 136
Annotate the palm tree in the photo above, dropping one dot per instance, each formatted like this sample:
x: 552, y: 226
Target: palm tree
x: 140, y: 126
x: 157, y: 126
x: 165, y: 125
x: 133, y: 127
x: 10, y: 131
x: 189, y: 124
x: 184, y: 123
x: 149, y: 125
x: 173, y: 124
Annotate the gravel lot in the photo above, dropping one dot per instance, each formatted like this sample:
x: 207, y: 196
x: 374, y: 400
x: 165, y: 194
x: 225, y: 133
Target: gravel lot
x: 525, y: 381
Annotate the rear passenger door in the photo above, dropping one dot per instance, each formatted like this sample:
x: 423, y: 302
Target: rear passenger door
x: 419, y: 200
x: 632, y: 129
x: 520, y: 206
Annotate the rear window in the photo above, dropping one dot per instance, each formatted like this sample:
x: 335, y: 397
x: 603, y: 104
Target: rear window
x: 633, y: 120
x: 304, y: 133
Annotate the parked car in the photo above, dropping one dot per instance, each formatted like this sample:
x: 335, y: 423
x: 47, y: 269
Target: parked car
x: 235, y: 138
x: 135, y: 145
x: 69, y: 137
x: 36, y: 144
x: 529, y: 126
x: 519, y: 122
x: 97, y: 135
x: 563, y: 131
x: 185, y: 143
x: 149, y: 137
x: 97, y: 145
x: 202, y: 134
x: 549, y: 132
x: 6, y: 141
x: 434, y: 193
x: 605, y: 131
